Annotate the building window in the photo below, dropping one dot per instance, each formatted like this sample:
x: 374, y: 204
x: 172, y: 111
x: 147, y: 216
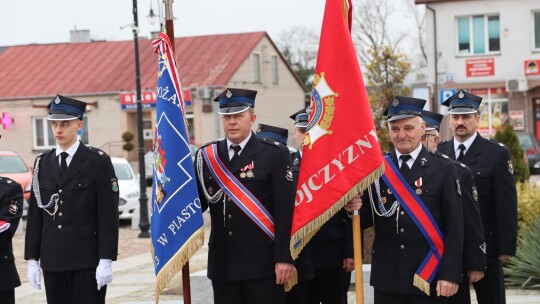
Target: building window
x: 43, y: 135
x: 478, y: 34
x: 256, y: 68
x: 274, y: 63
x: 536, y: 30
x: 493, y: 110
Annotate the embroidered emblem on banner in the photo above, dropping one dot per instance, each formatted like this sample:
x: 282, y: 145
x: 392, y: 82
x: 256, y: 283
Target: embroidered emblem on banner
x: 321, y: 110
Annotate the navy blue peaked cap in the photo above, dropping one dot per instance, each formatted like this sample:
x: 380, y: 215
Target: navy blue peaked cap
x: 232, y: 101
x: 463, y: 103
x: 404, y: 107
x: 300, y: 118
x: 65, y: 108
x: 432, y: 119
x: 276, y: 133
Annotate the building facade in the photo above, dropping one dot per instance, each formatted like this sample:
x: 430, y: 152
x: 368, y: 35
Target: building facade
x: 102, y: 74
x: 490, y: 48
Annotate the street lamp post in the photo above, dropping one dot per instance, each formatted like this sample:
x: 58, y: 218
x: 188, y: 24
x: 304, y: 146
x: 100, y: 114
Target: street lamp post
x: 144, y: 225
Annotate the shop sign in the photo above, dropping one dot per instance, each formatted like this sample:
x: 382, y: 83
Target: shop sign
x: 128, y: 100
x: 480, y: 67
x: 532, y: 67
x: 518, y: 120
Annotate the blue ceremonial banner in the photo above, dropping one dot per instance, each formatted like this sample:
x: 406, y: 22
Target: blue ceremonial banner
x: 176, y: 223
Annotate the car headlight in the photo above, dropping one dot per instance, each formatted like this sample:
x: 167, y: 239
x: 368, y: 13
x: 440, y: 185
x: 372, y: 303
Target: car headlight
x: 133, y: 194
x: 122, y: 202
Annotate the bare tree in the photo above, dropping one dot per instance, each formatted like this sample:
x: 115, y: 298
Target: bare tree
x: 300, y: 45
x: 418, y: 12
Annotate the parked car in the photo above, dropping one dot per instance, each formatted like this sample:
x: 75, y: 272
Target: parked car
x: 128, y: 184
x: 149, y: 163
x: 531, y: 147
x: 13, y: 166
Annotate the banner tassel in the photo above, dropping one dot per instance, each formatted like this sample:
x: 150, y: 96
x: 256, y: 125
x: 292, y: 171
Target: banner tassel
x: 292, y: 281
x: 421, y: 284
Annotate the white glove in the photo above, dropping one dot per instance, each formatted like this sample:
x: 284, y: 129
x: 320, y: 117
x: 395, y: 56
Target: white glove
x: 104, y: 273
x: 33, y: 274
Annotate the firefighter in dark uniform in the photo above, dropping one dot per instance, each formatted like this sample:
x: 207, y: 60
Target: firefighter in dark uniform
x: 11, y: 207
x: 474, y: 246
x: 493, y: 174
x: 331, y: 249
x: 72, y: 229
x: 300, y: 293
x: 400, y: 248
x: 245, y: 264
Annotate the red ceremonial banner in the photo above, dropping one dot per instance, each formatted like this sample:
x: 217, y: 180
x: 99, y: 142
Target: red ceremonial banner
x: 341, y: 154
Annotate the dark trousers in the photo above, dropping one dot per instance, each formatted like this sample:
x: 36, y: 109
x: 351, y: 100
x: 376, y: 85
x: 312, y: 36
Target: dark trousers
x: 73, y: 287
x: 382, y: 297
x: 7, y: 296
x: 463, y: 296
x: 299, y: 294
x: 260, y: 291
x: 490, y: 289
x: 330, y: 286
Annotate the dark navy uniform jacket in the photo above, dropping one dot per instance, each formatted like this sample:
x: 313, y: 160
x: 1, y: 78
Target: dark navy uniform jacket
x: 85, y: 227
x: 11, y: 207
x: 238, y: 248
x: 399, y: 247
x: 493, y: 174
x: 474, y: 246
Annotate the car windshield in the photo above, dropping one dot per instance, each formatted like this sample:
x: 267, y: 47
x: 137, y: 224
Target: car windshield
x: 122, y: 171
x: 12, y: 164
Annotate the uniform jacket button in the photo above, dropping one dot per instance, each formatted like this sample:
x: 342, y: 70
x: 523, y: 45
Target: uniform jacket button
x: 230, y: 233
x: 401, y: 230
x: 402, y: 246
x: 59, y: 226
x: 61, y: 202
x: 230, y: 216
x: 60, y: 191
x: 60, y: 214
x: 402, y: 213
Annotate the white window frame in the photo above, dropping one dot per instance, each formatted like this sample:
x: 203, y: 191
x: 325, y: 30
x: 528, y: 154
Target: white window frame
x: 46, y: 130
x: 534, y: 48
x: 274, y: 67
x: 256, y: 65
x: 471, y: 52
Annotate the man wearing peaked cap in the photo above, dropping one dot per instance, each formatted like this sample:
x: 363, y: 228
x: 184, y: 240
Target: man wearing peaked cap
x: 330, y: 250
x: 249, y: 258
x: 474, y: 258
x: 399, y: 248
x: 72, y: 228
x: 11, y: 207
x: 497, y: 197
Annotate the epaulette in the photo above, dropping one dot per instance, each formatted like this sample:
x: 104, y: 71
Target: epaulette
x: 461, y: 165
x: 439, y: 154
x: 96, y: 151
x: 496, y: 143
x: 272, y: 142
x: 209, y: 143
x: 46, y: 152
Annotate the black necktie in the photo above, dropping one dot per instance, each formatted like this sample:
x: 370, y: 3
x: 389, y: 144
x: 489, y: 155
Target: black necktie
x: 235, y: 155
x: 404, y: 169
x: 461, y: 152
x: 63, y: 163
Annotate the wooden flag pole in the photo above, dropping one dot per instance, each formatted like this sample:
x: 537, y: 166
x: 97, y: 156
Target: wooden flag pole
x: 169, y: 29
x: 357, y: 243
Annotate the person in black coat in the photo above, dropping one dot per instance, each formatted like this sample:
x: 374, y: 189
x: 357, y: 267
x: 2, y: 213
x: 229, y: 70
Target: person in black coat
x: 474, y: 255
x: 11, y: 206
x: 300, y: 293
x: 244, y: 263
x: 492, y: 168
x: 399, y: 246
x: 72, y: 229
x: 330, y: 249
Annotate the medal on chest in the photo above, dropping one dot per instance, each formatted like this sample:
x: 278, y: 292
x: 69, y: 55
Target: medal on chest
x: 418, y: 184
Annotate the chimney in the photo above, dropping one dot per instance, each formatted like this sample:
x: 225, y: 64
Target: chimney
x: 78, y: 36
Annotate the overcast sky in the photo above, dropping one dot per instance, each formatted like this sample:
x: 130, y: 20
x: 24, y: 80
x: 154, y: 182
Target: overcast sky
x: 49, y: 21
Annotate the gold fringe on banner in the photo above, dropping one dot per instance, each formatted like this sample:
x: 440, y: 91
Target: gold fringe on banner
x: 292, y: 281
x: 421, y: 284
x: 175, y: 264
x: 304, y: 234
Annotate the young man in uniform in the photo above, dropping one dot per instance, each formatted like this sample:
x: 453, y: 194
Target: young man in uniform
x: 247, y: 183
x: 497, y: 197
x: 72, y: 229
